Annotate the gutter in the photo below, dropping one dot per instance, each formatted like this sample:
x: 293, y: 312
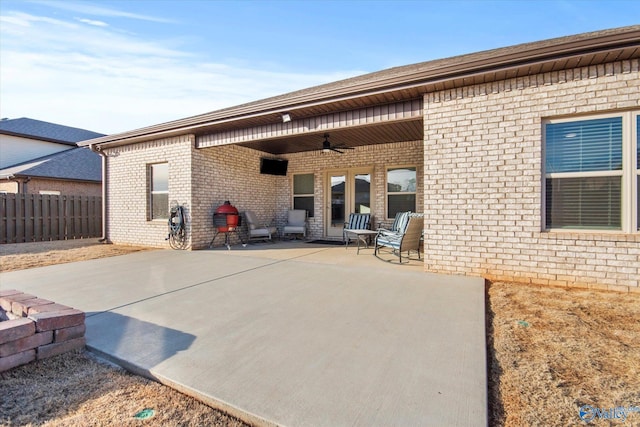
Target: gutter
x: 20, y: 180
x: 38, y: 138
x: 97, y: 149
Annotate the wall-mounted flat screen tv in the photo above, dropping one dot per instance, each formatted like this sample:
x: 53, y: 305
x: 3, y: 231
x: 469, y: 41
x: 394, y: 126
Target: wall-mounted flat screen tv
x: 273, y: 166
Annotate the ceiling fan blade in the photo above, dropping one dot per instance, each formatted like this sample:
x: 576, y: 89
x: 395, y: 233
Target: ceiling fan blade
x: 326, y: 146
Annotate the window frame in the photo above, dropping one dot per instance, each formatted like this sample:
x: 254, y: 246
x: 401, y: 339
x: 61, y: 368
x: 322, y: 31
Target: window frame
x: 629, y: 222
x: 152, y: 192
x: 635, y: 158
x: 388, y: 193
x: 310, y: 214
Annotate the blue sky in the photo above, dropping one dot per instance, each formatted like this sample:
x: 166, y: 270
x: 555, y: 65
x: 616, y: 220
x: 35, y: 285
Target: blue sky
x: 113, y: 66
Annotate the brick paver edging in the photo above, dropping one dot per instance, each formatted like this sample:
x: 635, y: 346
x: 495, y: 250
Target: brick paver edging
x: 37, y: 328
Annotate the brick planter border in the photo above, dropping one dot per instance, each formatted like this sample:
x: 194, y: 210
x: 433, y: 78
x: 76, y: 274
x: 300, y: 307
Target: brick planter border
x: 37, y: 329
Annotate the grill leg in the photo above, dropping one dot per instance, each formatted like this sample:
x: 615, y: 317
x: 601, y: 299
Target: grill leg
x: 214, y: 238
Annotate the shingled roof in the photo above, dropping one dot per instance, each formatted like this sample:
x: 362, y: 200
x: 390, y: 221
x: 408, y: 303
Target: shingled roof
x: 406, y: 81
x: 78, y: 164
x: 45, y: 131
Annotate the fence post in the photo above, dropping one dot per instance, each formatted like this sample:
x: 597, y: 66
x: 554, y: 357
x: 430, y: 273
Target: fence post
x: 37, y: 219
x: 20, y: 218
x: 8, y: 209
x: 29, y: 219
x: 46, y: 218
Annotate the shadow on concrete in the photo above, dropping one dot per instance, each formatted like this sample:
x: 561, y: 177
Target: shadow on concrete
x: 134, y: 344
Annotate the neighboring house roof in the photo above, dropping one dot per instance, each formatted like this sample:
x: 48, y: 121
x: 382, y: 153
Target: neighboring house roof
x: 78, y: 164
x: 405, y: 82
x: 45, y: 131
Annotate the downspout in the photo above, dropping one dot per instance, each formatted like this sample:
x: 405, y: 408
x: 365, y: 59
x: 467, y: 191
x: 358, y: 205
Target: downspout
x: 24, y: 185
x: 96, y: 149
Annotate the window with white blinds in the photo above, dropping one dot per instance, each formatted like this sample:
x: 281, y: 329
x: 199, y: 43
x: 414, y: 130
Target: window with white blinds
x: 589, y: 173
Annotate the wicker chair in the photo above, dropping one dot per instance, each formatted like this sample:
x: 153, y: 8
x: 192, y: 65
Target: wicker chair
x: 407, y: 239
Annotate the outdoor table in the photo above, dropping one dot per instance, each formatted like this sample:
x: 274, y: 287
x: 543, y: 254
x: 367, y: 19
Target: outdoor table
x: 362, y: 235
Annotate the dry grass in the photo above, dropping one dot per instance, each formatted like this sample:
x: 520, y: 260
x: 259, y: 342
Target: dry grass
x: 57, y: 392
x: 577, y: 347
x: 19, y: 256
x: 550, y: 351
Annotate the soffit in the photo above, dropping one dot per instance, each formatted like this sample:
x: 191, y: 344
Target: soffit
x: 350, y: 137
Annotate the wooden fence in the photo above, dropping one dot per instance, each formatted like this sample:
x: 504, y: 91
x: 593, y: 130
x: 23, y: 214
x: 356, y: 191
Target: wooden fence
x: 36, y: 217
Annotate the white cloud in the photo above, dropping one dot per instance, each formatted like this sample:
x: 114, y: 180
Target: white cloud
x: 88, y: 8
x: 105, y: 80
x: 93, y: 22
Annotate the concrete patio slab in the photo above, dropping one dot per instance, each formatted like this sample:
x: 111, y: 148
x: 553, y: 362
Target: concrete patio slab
x: 287, y: 333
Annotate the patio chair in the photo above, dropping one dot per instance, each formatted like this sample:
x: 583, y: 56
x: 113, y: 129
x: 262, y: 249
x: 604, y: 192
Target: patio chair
x: 398, y: 225
x: 408, y: 240
x: 296, y: 223
x: 258, y: 231
x: 357, y: 221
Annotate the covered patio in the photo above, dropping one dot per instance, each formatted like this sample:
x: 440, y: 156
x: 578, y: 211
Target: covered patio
x: 290, y: 333
x: 461, y: 140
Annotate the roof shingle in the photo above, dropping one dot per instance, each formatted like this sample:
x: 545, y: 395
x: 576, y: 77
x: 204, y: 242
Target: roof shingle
x: 80, y: 164
x: 37, y: 129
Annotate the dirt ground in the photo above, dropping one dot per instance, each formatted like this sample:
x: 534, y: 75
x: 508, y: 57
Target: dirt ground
x: 18, y: 256
x: 551, y: 352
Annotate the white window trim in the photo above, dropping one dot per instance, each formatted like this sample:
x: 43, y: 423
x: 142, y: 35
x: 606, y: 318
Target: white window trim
x: 388, y: 193
x: 152, y: 192
x: 629, y: 173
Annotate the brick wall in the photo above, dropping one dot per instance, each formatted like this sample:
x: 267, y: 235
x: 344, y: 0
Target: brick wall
x: 483, y: 181
x: 66, y: 188
x: 378, y: 157
x: 232, y: 173
x: 202, y: 179
x: 128, y: 188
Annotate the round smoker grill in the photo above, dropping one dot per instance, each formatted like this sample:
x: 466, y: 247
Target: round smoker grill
x: 226, y: 218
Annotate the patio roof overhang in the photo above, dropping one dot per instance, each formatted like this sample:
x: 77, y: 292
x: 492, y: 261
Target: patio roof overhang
x: 325, y: 108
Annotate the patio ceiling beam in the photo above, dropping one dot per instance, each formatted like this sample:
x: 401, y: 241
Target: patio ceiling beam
x: 382, y: 114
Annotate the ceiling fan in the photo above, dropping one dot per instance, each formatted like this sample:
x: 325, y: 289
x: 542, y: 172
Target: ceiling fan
x: 326, y: 146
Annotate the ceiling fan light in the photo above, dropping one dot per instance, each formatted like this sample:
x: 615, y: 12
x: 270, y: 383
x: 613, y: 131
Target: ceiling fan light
x: 325, y: 150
